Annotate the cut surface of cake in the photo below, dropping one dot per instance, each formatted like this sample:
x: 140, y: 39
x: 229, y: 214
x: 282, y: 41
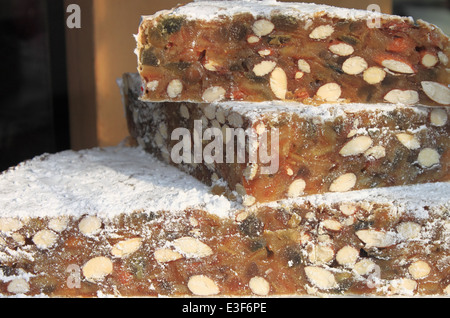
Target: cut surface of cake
x: 266, y: 50
x: 117, y: 222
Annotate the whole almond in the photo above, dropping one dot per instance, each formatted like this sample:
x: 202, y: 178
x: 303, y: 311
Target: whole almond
x: 331, y: 225
x: 90, y: 225
x: 191, y: 247
x: 348, y: 208
x: 184, y: 111
x: 429, y: 60
x: 329, y: 92
x: 263, y: 27
x: 259, y: 286
x: 443, y: 58
x: 18, y: 286
x: 436, y: 92
x: 374, y: 75
x: 341, y: 49
x: 248, y: 200
x: 428, y: 157
x: 347, y: 255
x: 397, y: 66
x: 252, y: 39
x: 321, y: 32
x: 152, y: 85
x: 96, y: 269
x: 419, y: 269
x: 45, y: 239
x: 58, y: 224
x: 278, y: 83
x: 235, y: 120
x: 213, y: 94
x: 356, y: 146
x: 398, y: 96
x: 438, y: 117
x: 343, y: 183
x: 264, y: 68
x: 127, y: 247
x: 364, y: 266
x: 354, y: 65
x: 303, y: 66
x: 202, y: 285
x: 320, y: 277
x: 299, y: 75
x: 8, y: 224
x: 403, y: 286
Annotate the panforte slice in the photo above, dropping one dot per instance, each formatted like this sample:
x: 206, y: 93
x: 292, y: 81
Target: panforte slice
x: 266, y: 50
x: 273, y: 150
x: 143, y: 228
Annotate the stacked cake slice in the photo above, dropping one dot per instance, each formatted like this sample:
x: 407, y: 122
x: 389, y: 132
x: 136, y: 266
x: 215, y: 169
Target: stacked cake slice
x: 264, y: 50
x: 269, y: 151
x: 119, y: 222
x: 90, y: 223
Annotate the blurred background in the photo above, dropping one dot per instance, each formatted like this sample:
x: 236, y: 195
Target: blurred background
x: 58, y: 85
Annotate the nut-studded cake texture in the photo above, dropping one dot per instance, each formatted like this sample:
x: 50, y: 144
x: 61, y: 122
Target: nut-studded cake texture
x: 118, y: 222
x: 272, y: 151
x: 266, y: 50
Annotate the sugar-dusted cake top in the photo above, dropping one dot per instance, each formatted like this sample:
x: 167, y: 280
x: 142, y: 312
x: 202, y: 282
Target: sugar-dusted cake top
x: 211, y: 10
x: 323, y: 112
x: 415, y: 200
x: 105, y: 182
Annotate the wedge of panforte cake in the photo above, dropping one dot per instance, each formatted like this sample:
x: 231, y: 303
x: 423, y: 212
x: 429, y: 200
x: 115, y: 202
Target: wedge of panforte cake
x: 117, y: 221
x: 208, y: 51
x: 265, y: 151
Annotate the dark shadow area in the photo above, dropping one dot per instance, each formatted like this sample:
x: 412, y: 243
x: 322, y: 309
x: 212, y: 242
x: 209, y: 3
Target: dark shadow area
x: 436, y: 12
x: 33, y: 88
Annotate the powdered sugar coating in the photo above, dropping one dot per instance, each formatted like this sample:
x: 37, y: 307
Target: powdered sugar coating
x: 103, y: 182
x: 321, y: 113
x: 212, y: 10
x: 415, y: 200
